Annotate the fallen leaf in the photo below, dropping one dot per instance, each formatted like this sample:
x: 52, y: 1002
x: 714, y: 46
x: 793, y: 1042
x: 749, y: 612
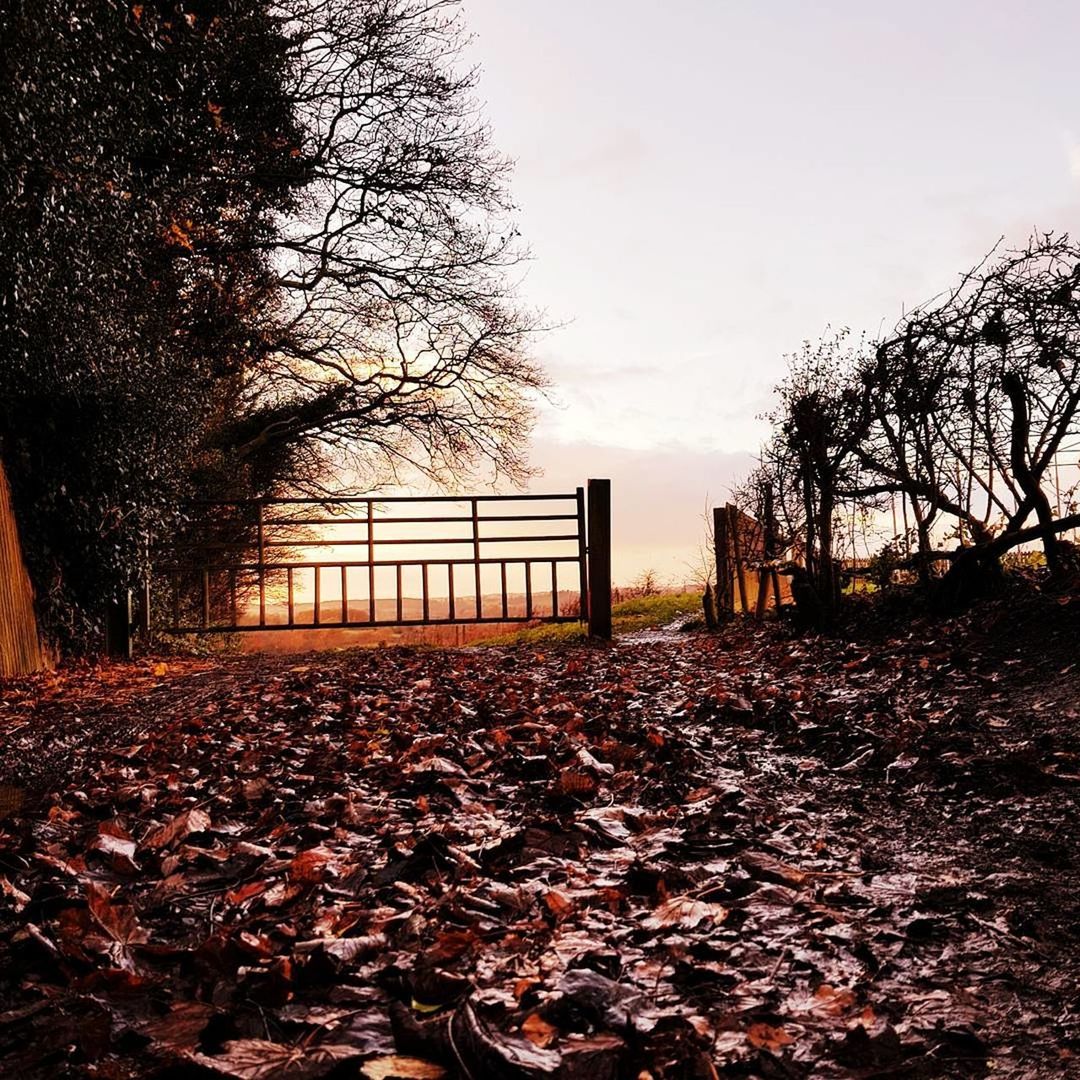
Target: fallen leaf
x: 767, y: 1037
x: 684, y: 911
x: 402, y: 1068
x: 181, y: 827
x: 538, y: 1031
x: 257, y: 1059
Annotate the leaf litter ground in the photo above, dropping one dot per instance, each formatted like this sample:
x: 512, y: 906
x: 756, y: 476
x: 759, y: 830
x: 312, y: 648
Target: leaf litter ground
x: 680, y: 856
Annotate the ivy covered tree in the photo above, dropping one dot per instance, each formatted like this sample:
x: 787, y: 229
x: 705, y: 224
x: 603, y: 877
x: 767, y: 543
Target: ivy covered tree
x: 146, y: 153
x: 251, y: 247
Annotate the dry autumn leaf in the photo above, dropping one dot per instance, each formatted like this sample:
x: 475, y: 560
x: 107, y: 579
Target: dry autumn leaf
x: 767, y: 1037
x: 182, y: 1026
x: 180, y: 828
x: 402, y: 1068
x: 117, y: 920
x: 257, y: 1059
x: 684, y: 911
x: 559, y: 904
x: 538, y: 1031
x: 577, y: 783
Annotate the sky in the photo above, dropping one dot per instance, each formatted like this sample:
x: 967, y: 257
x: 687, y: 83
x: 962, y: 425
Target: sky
x: 704, y: 184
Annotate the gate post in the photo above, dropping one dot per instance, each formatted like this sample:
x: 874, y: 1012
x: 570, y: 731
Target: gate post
x: 599, y: 524
x: 118, y: 626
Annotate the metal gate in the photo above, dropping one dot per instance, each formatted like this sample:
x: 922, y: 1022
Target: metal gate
x: 344, y: 562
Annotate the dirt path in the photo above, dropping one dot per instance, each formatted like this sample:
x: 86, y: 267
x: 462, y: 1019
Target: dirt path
x: 680, y: 856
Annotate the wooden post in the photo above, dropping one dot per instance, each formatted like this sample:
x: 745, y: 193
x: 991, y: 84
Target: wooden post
x: 118, y: 626
x: 736, y: 548
x: 725, y: 602
x: 599, y: 525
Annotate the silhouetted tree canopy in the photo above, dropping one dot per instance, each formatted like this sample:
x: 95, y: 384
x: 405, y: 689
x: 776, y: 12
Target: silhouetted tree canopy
x: 249, y: 247
x: 961, y: 413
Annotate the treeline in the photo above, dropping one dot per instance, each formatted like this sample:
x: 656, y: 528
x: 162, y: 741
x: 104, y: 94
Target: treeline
x: 961, y: 415
x: 249, y: 247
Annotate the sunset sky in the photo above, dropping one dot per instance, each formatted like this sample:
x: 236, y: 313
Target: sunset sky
x: 703, y: 184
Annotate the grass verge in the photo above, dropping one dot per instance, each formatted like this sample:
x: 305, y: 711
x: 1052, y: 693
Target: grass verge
x: 640, y: 613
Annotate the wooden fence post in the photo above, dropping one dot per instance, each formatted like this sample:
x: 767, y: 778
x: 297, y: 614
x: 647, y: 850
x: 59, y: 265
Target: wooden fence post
x: 725, y: 603
x: 599, y: 525
x: 118, y: 626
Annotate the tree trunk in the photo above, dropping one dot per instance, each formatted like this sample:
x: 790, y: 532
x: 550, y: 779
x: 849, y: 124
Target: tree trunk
x: 1018, y: 459
x: 826, y: 570
x: 20, y: 647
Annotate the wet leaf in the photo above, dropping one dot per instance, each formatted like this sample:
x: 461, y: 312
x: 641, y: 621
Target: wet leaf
x: 684, y: 911
x: 179, y: 828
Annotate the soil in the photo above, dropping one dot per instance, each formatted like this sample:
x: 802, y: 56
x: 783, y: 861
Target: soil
x: 745, y: 854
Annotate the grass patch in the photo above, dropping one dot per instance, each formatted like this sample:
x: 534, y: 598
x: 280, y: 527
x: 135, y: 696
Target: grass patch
x: 640, y: 613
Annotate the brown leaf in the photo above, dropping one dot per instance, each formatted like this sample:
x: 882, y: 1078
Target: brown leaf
x: 402, y: 1068
x: 344, y: 950
x: 236, y: 897
x: 767, y: 1037
x: 256, y: 1059
x: 182, y: 1026
x: 538, y: 1031
x: 119, y: 852
x: 559, y: 904
x: 577, y: 783
x: 767, y: 868
x: 181, y: 827
x: 828, y: 999
x: 685, y: 911
x: 117, y: 920
x: 309, y: 867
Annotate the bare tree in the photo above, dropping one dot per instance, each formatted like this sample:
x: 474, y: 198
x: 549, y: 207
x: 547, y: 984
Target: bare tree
x: 401, y: 343
x: 822, y: 418
x: 975, y: 395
